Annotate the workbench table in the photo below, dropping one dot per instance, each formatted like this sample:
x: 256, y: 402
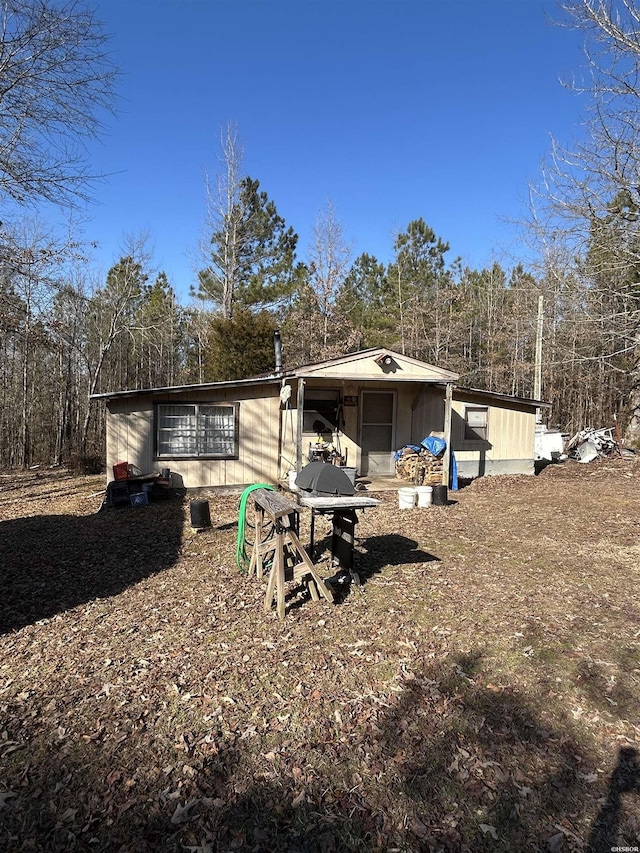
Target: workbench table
x: 273, y: 508
x: 340, y: 505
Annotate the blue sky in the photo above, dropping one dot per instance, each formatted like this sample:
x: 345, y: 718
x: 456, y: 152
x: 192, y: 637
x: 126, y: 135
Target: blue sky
x: 392, y: 110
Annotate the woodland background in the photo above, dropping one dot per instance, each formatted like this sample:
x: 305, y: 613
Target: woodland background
x: 65, y: 336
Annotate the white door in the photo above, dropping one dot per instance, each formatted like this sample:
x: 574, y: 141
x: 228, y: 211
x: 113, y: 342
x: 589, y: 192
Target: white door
x: 377, y: 432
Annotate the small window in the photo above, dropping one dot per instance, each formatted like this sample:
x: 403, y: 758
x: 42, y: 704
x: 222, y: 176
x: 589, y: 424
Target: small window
x: 321, y: 408
x: 476, y: 423
x: 197, y: 429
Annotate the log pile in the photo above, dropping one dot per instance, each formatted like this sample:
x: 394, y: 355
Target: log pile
x: 419, y: 466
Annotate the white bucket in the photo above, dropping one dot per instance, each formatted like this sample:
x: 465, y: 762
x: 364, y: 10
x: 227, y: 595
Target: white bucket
x: 425, y: 495
x: 292, y: 481
x: 407, y: 498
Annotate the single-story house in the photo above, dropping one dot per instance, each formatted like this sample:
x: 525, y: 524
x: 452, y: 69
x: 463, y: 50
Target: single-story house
x: 364, y: 406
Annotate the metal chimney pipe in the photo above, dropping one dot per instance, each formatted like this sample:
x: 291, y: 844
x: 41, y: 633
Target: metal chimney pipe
x: 277, y: 343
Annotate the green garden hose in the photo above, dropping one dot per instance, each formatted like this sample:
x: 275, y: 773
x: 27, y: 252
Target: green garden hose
x: 241, y: 552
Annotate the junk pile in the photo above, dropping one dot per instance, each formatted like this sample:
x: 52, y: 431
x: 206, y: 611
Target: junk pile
x: 589, y: 444
x: 421, y: 464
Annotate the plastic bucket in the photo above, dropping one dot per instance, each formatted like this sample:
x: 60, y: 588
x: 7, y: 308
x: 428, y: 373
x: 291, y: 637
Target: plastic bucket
x: 425, y: 495
x: 292, y: 481
x: 350, y: 472
x: 200, y: 515
x: 440, y: 495
x: 407, y: 498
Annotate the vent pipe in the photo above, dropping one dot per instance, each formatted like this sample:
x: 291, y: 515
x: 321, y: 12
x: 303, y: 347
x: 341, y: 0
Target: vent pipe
x: 277, y: 344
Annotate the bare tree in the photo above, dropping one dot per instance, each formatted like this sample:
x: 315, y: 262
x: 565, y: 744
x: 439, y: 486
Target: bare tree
x: 55, y: 78
x: 110, y: 331
x: 250, y: 253
x: 197, y: 329
x: 590, y: 194
x: 33, y: 262
x: 224, y: 221
x: 329, y: 261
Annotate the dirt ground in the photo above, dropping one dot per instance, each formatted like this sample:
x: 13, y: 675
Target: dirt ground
x: 478, y: 691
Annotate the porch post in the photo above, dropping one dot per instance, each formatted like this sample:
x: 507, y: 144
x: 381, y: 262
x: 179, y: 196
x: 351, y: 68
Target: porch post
x: 446, y: 462
x: 300, y: 423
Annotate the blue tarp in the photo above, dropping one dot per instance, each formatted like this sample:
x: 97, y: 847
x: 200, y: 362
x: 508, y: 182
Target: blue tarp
x: 453, y: 473
x: 436, y: 446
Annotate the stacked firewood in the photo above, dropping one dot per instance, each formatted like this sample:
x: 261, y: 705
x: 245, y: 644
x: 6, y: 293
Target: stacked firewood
x: 419, y: 466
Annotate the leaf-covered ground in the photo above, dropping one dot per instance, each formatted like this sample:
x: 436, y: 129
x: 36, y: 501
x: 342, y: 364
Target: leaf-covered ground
x: 479, y: 691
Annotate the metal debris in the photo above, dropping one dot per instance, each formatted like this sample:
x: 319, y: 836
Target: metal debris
x: 589, y: 444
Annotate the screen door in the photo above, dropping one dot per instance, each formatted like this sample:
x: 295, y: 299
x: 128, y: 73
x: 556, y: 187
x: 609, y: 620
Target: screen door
x: 377, y: 433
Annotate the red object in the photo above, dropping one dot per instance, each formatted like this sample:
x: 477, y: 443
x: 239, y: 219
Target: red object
x: 121, y: 471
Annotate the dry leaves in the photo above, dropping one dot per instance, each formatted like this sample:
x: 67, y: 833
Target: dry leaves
x: 476, y: 693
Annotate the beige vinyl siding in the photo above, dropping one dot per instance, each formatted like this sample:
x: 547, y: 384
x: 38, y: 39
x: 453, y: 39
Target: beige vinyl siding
x: 404, y: 416
x: 130, y: 434
x: 510, y: 436
x: 131, y: 437
x: 367, y: 368
x: 427, y: 413
x: 263, y: 422
x: 511, y: 430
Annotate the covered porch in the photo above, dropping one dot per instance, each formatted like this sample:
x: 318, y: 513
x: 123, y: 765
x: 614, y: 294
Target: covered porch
x: 359, y: 412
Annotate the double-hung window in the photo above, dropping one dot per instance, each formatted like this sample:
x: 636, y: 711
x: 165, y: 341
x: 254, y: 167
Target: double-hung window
x: 476, y: 423
x: 197, y: 429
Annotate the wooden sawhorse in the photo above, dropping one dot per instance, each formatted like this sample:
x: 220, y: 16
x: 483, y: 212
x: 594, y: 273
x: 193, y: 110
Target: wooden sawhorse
x: 284, y: 515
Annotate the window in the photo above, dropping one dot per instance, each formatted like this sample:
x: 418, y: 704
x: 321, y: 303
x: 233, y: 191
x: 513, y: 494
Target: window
x: 476, y: 423
x: 197, y: 429
x: 321, y: 407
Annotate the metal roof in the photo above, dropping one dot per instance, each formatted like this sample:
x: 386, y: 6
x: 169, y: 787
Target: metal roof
x: 310, y: 369
x: 201, y: 386
x: 508, y: 398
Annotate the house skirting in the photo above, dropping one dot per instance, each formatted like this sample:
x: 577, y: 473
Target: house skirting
x: 471, y: 468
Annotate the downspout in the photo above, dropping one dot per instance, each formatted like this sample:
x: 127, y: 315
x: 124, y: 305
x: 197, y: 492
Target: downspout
x: 277, y: 351
x: 300, y: 404
x: 446, y: 462
x: 281, y: 433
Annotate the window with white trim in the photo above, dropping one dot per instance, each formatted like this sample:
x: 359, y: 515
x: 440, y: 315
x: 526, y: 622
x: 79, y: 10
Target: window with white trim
x: 476, y: 423
x: 196, y: 429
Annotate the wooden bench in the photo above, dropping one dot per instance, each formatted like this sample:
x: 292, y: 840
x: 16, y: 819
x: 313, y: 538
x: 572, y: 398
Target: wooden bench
x: 290, y: 560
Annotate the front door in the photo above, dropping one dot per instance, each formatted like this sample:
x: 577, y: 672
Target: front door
x: 377, y: 433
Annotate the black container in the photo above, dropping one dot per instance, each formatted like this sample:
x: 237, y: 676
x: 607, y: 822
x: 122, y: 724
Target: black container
x: 165, y: 473
x: 118, y: 493
x: 200, y: 514
x: 440, y: 496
